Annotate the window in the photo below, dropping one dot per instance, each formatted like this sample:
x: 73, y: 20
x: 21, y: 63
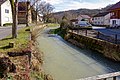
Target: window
x: 6, y: 11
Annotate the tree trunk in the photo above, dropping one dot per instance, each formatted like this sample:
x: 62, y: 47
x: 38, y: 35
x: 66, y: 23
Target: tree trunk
x: 36, y: 16
x: 15, y: 20
x: 27, y: 14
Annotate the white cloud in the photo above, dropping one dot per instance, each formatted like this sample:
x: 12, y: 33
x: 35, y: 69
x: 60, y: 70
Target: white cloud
x: 61, y: 5
x: 54, y: 2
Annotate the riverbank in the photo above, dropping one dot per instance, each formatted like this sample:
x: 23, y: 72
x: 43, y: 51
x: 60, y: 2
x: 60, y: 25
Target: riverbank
x: 65, y: 61
x: 37, y: 71
x: 109, y: 50
x: 15, y: 56
x: 20, y: 59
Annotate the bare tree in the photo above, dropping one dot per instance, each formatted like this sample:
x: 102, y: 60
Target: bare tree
x: 45, y: 9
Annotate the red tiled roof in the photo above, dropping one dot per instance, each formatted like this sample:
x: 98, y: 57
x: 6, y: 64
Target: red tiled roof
x: 74, y: 20
x: 2, y: 1
x: 116, y: 6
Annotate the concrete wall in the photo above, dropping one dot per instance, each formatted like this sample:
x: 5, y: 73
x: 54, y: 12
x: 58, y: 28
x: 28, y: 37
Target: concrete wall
x: 108, y: 49
x: 6, y: 17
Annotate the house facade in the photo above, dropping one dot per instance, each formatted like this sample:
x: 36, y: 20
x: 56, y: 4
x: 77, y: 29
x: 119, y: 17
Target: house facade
x: 5, y: 12
x: 84, y: 18
x: 115, y: 15
x: 102, y: 19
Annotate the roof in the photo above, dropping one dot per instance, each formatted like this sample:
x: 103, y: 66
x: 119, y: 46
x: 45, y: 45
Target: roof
x: 101, y: 14
x: 2, y: 1
x: 115, y: 6
x: 74, y: 20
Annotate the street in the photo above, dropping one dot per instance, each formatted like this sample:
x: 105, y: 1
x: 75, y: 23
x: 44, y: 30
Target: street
x: 5, y: 31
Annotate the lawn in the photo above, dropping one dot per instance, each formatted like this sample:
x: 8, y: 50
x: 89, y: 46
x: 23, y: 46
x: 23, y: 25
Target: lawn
x: 21, y: 42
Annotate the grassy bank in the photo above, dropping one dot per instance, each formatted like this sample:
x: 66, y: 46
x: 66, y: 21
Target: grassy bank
x: 19, y: 43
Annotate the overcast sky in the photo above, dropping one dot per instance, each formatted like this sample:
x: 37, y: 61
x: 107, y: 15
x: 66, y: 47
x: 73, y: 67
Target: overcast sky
x: 62, y: 5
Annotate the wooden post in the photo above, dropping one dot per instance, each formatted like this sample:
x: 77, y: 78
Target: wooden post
x: 77, y: 31
x: 86, y: 32
x: 116, y: 38
x: 105, y: 79
x: 11, y: 44
x: 98, y: 34
x: 114, y: 78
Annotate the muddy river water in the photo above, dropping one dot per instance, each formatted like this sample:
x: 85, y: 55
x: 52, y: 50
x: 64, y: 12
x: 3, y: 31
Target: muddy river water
x: 64, y: 61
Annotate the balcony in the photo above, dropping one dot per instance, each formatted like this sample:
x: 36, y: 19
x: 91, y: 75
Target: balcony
x: 114, y: 17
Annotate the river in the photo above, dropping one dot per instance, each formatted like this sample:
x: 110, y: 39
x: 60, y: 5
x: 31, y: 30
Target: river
x: 65, y: 61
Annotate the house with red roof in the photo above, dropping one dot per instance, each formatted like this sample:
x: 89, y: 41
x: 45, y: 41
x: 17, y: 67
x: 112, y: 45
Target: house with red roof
x: 115, y: 15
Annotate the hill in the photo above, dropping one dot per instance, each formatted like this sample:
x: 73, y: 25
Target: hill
x: 71, y: 14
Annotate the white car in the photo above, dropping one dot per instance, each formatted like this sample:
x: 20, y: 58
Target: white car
x: 84, y: 24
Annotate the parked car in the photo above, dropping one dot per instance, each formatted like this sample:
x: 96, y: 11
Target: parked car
x: 84, y: 24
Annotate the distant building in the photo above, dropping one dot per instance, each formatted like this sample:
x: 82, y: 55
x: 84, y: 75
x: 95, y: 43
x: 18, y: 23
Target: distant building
x: 102, y: 19
x: 5, y: 12
x: 84, y: 18
x: 74, y: 21
x: 115, y: 15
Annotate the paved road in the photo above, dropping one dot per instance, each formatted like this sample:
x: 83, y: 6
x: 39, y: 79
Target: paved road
x: 5, y: 31
x: 67, y: 62
x: 109, y: 32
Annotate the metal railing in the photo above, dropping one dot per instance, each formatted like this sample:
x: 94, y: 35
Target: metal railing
x: 113, y: 38
x: 104, y: 77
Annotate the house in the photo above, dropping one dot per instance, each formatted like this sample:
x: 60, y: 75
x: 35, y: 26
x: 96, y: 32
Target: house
x: 84, y: 18
x: 115, y: 15
x: 74, y: 21
x: 80, y: 18
x: 102, y: 19
x: 5, y: 12
x: 22, y: 13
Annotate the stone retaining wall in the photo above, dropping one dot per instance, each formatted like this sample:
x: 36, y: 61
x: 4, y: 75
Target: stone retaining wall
x: 108, y: 49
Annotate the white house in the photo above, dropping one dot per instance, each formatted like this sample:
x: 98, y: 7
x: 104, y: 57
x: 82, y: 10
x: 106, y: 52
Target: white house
x: 102, y: 19
x: 115, y: 15
x: 5, y: 12
x: 85, y: 18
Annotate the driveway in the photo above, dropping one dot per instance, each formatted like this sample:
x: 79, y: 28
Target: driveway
x: 5, y: 31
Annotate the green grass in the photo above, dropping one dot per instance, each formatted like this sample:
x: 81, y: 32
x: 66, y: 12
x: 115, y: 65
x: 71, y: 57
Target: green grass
x: 7, y: 24
x: 36, y: 75
x: 21, y: 42
x: 52, y: 25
